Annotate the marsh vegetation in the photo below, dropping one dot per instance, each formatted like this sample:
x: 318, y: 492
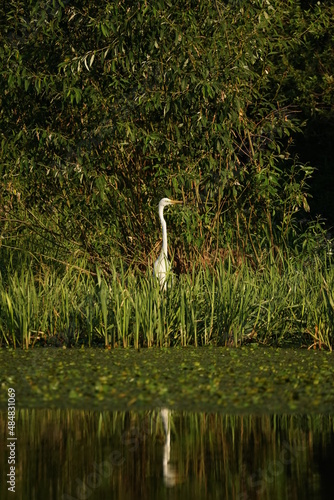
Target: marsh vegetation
x: 285, y: 303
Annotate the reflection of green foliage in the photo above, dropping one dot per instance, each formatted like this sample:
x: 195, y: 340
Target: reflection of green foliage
x: 107, y: 106
x: 215, y: 455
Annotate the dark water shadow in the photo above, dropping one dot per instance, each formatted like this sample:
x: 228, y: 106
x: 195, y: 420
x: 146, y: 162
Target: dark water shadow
x: 163, y: 454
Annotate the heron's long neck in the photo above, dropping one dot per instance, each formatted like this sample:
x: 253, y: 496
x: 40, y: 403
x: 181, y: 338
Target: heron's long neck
x: 164, y: 230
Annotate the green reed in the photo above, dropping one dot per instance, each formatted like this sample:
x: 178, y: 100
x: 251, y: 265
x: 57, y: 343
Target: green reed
x: 227, y: 305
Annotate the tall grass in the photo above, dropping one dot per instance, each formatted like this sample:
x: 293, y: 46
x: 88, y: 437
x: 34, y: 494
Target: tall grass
x: 229, y: 305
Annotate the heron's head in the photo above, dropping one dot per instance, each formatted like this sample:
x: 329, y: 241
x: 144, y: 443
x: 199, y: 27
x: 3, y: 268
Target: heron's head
x: 164, y: 202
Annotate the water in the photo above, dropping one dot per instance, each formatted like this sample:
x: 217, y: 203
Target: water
x: 163, y: 454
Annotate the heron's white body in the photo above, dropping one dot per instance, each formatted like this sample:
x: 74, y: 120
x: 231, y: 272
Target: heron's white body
x: 162, y: 265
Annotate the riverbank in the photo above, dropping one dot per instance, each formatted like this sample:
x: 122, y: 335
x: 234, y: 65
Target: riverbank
x: 288, y: 302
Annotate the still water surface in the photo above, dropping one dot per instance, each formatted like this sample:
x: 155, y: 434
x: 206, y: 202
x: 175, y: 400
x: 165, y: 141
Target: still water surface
x: 163, y: 454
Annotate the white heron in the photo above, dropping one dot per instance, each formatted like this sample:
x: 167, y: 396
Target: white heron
x: 162, y: 265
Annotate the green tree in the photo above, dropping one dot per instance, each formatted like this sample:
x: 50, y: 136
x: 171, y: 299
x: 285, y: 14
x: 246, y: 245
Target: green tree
x: 108, y: 106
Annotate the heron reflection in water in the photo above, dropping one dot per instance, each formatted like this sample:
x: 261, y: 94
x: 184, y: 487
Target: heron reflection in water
x: 170, y: 474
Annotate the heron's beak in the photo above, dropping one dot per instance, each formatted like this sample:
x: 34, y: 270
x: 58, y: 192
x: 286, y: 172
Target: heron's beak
x: 176, y: 202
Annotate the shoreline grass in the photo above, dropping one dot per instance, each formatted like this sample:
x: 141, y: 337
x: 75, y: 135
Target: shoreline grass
x: 228, y: 305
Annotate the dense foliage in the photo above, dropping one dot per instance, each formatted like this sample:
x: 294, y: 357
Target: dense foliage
x: 108, y: 106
